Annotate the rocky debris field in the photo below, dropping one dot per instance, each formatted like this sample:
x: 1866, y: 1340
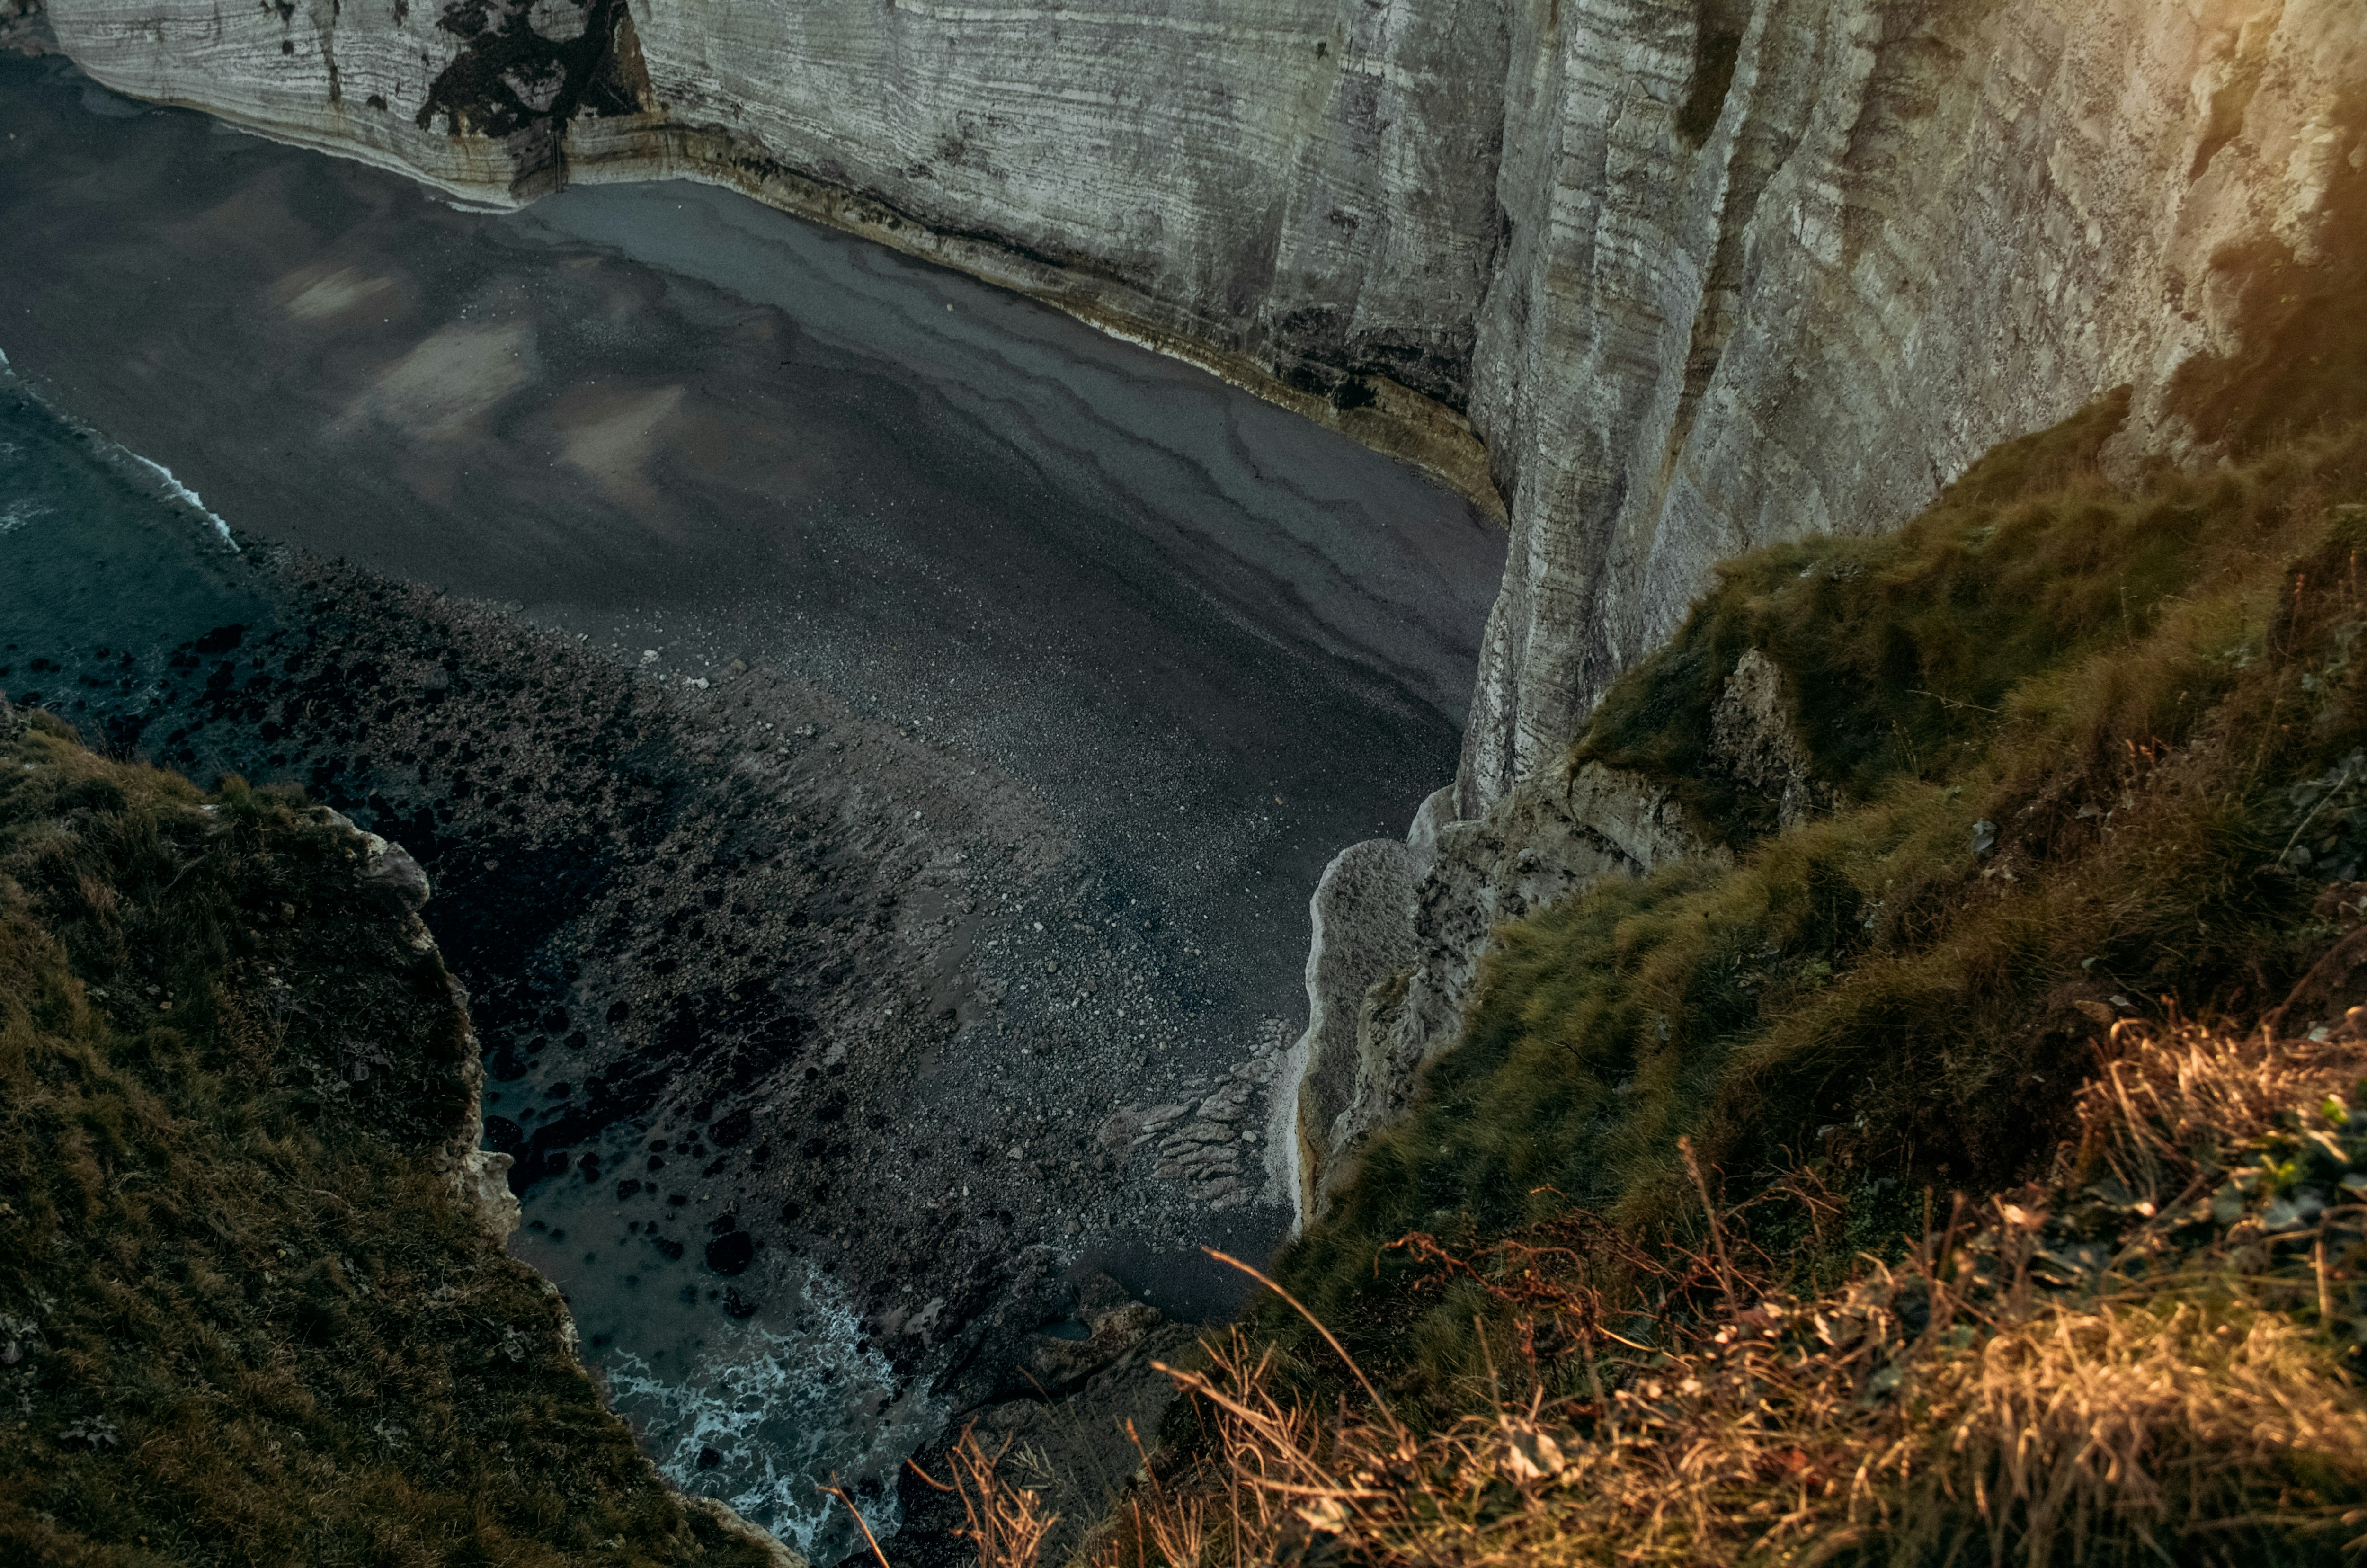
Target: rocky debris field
x: 849, y: 992
x: 1090, y: 1413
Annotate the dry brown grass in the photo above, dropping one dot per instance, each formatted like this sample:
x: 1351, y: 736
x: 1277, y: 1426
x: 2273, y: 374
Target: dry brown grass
x: 1006, y: 1523
x: 2033, y: 1384
x: 1811, y: 1433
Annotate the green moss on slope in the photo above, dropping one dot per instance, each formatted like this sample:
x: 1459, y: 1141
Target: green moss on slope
x: 244, y: 1316
x: 1897, y: 646
x: 2088, y: 748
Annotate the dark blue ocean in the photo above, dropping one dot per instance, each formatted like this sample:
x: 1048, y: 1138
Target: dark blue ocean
x: 108, y: 565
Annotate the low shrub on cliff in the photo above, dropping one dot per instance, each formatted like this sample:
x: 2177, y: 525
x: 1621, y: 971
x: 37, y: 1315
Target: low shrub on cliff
x: 244, y: 1315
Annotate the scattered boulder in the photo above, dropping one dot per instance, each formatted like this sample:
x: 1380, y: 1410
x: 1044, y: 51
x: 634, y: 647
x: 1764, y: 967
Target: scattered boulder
x: 732, y: 1252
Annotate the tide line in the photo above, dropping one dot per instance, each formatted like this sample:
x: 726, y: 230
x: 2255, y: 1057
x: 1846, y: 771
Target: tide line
x: 183, y: 493
x: 166, y: 479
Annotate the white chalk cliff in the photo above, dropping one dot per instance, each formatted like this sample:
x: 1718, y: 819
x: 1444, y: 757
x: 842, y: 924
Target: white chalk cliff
x: 1698, y: 273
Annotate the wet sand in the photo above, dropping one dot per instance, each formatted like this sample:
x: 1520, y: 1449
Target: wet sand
x: 1040, y: 677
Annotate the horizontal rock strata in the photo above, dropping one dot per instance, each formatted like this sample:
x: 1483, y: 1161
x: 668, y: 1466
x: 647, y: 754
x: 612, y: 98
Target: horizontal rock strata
x: 1703, y: 273
x: 1784, y: 268
x: 1294, y: 193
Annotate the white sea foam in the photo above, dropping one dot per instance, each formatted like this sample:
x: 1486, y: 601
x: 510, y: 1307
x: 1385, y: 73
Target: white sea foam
x: 782, y: 1413
x: 183, y: 493
x: 166, y: 479
x: 20, y: 513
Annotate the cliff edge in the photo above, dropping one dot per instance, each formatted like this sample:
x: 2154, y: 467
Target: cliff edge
x: 254, y: 1303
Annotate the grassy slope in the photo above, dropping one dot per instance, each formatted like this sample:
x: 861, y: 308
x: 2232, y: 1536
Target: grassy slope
x: 246, y: 1321
x: 2128, y: 688
x: 2145, y: 690
x: 2143, y: 1364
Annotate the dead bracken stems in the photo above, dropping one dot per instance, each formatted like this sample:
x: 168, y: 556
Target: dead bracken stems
x: 2007, y: 1391
x: 1379, y: 1403
x: 2098, y: 1374
x: 1006, y: 1523
x: 835, y: 1490
x: 1716, y: 1236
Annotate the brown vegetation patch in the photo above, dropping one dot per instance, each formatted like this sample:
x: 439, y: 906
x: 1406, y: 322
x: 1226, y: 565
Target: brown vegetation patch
x: 247, y: 1314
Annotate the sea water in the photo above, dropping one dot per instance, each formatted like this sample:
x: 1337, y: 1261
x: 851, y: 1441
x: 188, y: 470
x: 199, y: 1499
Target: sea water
x: 108, y: 563
x: 758, y: 1386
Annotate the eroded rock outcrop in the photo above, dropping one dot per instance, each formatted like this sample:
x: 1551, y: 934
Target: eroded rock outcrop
x: 1753, y: 739
x: 478, y: 1177
x: 1362, y: 914
x: 1402, y: 929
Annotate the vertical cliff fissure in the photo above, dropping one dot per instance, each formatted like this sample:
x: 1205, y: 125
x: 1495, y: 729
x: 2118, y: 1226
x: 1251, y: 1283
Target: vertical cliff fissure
x: 1602, y: 341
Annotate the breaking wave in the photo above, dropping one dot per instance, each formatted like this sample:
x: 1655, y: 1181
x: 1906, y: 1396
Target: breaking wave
x: 151, y: 473
x: 763, y: 1419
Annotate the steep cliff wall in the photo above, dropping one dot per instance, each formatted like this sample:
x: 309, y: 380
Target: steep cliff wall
x: 1782, y: 270
x: 1796, y: 298
x: 1704, y: 273
x: 1298, y: 178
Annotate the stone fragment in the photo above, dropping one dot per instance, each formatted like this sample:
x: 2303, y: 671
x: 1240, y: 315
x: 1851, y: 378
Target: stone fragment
x: 1751, y: 737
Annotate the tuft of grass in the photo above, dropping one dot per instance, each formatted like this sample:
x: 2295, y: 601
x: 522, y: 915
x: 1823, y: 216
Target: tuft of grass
x: 246, y: 1316
x: 2149, y: 1361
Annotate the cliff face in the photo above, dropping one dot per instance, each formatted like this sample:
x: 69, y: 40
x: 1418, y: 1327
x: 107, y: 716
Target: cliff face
x: 1797, y: 302
x: 1704, y: 273
x: 1295, y: 178
x: 1297, y: 192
